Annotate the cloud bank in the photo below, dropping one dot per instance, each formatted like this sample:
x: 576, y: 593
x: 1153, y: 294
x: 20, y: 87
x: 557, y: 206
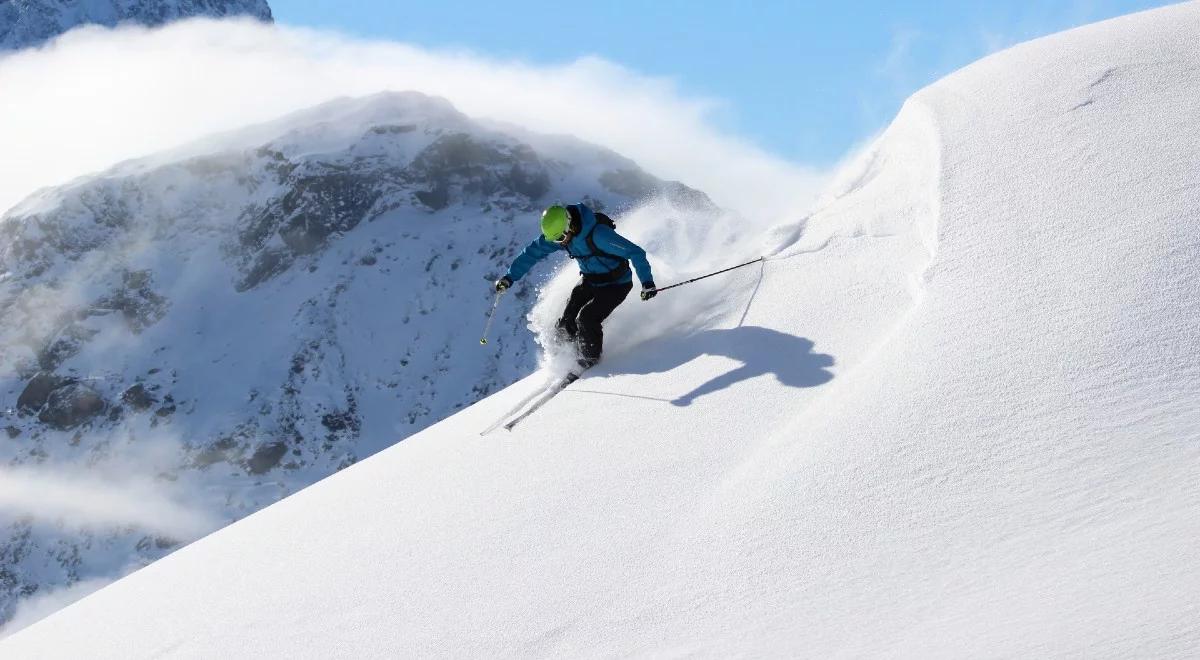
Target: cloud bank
x: 98, y: 96
x: 87, y: 500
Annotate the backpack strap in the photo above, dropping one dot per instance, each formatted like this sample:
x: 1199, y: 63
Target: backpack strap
x: 597, y: 252
x: 618, y: 271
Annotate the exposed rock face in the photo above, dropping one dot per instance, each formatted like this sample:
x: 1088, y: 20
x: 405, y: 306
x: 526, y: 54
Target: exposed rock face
x: 257, y: 313
x: 136, y: 301
x: 266, y: 457
x: 71, y: 405
x: 137, y: 398
x: 27, y: 23
x: 35, y: 395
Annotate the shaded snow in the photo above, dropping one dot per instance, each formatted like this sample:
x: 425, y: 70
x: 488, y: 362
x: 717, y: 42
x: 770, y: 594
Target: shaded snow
x: 955, y: 415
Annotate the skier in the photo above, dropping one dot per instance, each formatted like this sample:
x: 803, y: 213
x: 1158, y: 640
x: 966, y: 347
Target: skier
x: 603, y: 257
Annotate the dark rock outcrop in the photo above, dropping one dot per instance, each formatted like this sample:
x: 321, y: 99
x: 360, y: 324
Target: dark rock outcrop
x: 476, y: 168
x: 37, y: 392
x: 138, y: 398
x: 266, y: 457
x: 71, y: 405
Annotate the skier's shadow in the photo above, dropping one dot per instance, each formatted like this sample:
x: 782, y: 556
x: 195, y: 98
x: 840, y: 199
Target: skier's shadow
x: 760, y: 350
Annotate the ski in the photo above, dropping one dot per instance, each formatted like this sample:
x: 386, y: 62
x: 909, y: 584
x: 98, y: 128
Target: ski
x: 515, y: 409
x: 541, y: 401
x: 533, y: 401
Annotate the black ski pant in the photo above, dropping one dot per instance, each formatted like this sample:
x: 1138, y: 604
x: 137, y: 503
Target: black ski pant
x: 583, y: 319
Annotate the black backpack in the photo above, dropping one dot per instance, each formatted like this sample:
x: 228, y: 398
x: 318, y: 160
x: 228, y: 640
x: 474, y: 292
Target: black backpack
x: 576, y: 222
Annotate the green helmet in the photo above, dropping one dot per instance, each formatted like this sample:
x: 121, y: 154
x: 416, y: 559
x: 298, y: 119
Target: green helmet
x: 554, y: 222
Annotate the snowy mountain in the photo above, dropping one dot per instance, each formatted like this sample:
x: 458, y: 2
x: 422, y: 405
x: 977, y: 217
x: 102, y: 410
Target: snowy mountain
x: 26, y: 23
x: 955, y: 414
x: 227, y: 323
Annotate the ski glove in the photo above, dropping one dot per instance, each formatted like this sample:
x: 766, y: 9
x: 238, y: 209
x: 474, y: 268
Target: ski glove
x: 648, y: 290
x: 503, y: 283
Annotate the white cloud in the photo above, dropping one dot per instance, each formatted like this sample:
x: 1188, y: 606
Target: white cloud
x: 86, y: 499
x: 98, y: 96
x: 897, y: 64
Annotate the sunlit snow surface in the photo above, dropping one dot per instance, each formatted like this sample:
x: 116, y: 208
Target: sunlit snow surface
x: 955, y: 415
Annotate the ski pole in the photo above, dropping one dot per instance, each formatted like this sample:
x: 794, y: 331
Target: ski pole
x: 697, y: 279
x: 488, y: 327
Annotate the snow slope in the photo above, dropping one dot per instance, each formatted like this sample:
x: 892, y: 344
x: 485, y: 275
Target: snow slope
x: 201, y: 333
x: 955, y: 415
x: 28, y: 23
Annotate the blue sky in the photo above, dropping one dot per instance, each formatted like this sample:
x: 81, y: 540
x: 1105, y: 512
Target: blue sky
x: 804, y: 80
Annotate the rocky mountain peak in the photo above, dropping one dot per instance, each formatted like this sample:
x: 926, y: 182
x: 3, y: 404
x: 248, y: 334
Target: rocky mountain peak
x: 271, y: 305
x: 29, y: 23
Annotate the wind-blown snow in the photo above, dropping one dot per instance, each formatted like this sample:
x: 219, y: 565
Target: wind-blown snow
x: 955, y: 415
x: 130, y: 92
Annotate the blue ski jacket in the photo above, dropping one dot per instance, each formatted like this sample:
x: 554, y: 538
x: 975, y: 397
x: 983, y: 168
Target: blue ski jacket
x: 618, y: 251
